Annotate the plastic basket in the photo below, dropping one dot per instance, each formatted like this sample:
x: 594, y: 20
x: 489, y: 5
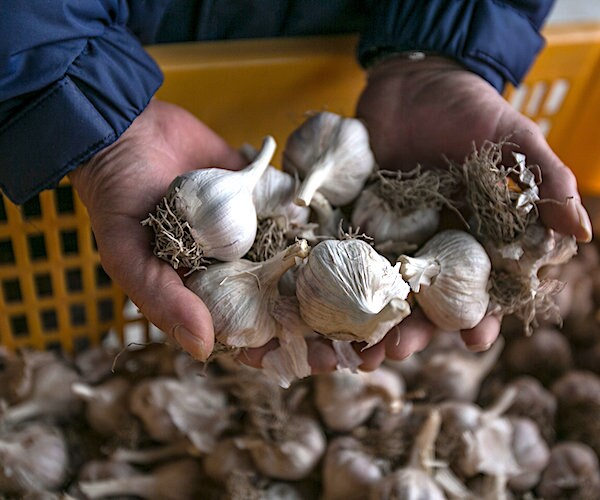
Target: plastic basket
x: 53, y: 291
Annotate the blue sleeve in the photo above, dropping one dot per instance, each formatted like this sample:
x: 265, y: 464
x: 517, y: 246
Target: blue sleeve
x: 72, y: 79
x: 496, y: 39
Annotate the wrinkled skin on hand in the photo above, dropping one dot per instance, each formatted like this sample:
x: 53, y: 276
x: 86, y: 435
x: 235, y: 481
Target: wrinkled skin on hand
x: 418, y: 111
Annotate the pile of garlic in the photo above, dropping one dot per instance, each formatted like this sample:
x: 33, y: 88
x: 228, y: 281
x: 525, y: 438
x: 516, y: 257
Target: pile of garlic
x: 518, y: 421
x: 331, y: 245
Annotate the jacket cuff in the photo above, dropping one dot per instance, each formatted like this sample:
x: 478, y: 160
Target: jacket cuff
x: 491, y: 38
x: 105, y: 88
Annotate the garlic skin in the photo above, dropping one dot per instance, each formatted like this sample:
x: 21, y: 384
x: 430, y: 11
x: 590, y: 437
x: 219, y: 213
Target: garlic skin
x: 375, y: 217
x: 33, y: 459
x: 218, y: 206
x: 239, y: 294
x: 349, y: 470
x: 274, y: 197
x: 346, y: 400
x: 347, y: 291
x: 449, y: 276
x: 332, y: 155
x: 290, y: 457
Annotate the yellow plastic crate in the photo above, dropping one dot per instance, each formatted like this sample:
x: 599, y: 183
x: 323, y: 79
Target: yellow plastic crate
x: 53, y: 291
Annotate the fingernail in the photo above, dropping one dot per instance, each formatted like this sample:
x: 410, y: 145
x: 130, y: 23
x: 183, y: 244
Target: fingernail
x: 479, y: 347
x: 584, y: 222
x: 193, y: 344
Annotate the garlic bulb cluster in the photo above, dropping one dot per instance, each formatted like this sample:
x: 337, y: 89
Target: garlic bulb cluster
x: 209, y: 213
x: 239, y: 295
x: 347, y: 291
x: 332, y: 155
x: 449, y: 276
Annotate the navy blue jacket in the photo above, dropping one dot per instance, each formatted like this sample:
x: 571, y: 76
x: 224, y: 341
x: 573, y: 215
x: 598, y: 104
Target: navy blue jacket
x: 74, y: 74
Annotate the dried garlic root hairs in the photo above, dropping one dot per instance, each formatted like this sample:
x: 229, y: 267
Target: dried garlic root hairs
x: 501, y: 199
x: 503, y: 204
x: 416, y: 189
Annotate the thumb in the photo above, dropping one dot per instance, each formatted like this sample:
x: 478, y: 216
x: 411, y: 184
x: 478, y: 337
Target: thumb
x: 565, y: 213
x: 156, y: 288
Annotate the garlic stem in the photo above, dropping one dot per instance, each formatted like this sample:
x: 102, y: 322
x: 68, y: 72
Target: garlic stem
x: 137, y: 485
x: 24, y: 411
x: 423, y: 452
x: 84, y: 391
x: 314, y: 180
x: 152, y: 455
x: 254, y: 171
x: 418, y: 271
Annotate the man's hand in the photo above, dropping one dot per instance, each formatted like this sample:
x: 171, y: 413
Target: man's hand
x: 121, y: 185
x: 417, y: 112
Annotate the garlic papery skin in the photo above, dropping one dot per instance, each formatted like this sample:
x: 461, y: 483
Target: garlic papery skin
x: 449, y: 276
x: 215, y: 207
x: 347, y: 291
x: 293, y: 454
x: 346, y: 400
x: 332, y: 155
x: 239, y: 294
x: 386, y: 226
x: 349, y: 470
x: 33, y: 459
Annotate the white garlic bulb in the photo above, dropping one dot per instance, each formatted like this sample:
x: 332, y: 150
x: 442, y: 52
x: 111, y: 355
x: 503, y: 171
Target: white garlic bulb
x: 449, y: 276
x: 214, y: 209
x: 239, y: 294
x: 347, y: 291
x: 275, y: 193
x: 376, y: 218
x: 332, y: 155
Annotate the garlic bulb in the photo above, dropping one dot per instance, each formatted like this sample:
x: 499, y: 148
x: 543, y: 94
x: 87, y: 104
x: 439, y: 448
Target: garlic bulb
x: 209, y: 213
x: 32, y: 459
x: 349, y: 470
x: 332, y: 155
x: 239, y: 294
x: 347, y: 291
x: 106, y: 406
x: 293, y: 454
x: 346, y: 400
x: 402, y: 208
x: 449, y: 276
x: 374, y: 216
x: 171, y: 409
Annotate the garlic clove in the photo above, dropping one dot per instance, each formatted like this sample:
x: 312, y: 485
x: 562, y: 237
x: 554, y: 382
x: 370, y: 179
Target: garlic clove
x: 332, y: 155
x: 449, y: 276
x: 209, y: 213
x: 347, y: 291
x: 239, y: 295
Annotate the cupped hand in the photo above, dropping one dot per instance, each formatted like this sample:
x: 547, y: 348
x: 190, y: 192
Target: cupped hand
x: 422, y: 111
x: 121, y: 185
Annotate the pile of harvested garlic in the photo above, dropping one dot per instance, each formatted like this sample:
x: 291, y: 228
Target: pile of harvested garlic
x: 518, y: 421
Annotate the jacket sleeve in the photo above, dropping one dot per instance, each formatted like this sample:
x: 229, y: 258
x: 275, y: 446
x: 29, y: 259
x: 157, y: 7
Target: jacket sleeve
x: 496, y: 39
x: 72, y: 79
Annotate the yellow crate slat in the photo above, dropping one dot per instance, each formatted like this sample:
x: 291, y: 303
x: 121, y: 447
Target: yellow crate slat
x: 245, y: 90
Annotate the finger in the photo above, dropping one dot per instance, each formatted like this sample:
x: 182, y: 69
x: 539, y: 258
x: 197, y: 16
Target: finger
x: 566, y: 215
x: 154, y: 287
x: 371, y: 357
x: 481, y: 337
x: 321, y: 356
x: 410, y: 336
